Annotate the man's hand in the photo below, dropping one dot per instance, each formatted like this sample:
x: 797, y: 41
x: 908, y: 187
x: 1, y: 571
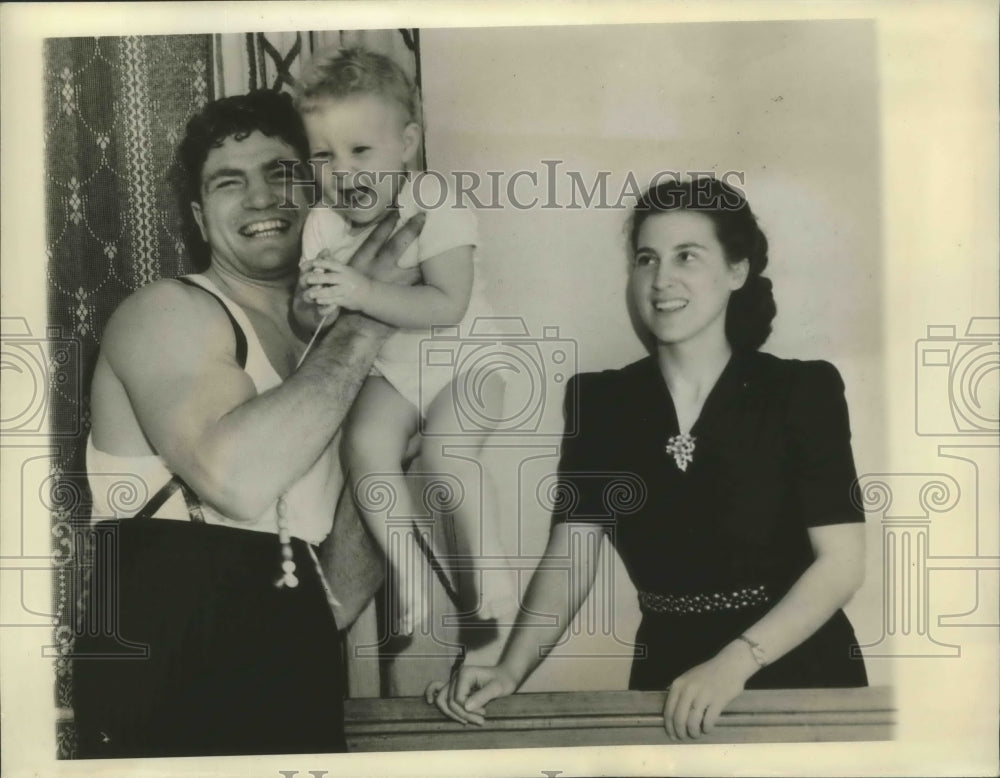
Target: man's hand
x: 378, y: 255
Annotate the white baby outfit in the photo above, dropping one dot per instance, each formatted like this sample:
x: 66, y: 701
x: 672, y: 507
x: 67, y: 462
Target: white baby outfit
x: 447, y: 227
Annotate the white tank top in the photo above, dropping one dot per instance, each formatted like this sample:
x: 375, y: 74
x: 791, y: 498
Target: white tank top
x: 122, y: 485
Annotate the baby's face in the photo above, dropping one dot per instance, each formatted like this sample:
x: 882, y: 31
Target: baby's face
x: 360, y: 146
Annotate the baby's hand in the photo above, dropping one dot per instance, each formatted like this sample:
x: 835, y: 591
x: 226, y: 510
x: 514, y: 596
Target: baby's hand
x: 313, y: 272
x: 312, y: 275
x: 339, y: 286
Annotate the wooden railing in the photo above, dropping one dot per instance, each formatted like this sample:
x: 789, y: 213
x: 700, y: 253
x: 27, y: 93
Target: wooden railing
x: 620, y: 718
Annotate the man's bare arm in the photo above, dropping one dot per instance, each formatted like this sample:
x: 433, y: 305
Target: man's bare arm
x: 173, y: 351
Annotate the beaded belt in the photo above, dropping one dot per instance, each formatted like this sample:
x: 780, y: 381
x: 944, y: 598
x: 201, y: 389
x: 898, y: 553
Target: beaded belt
x: 738, y: 599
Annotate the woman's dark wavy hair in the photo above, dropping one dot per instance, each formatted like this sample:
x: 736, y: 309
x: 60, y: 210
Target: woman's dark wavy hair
x: 751, y: 308
x: 268, y: 112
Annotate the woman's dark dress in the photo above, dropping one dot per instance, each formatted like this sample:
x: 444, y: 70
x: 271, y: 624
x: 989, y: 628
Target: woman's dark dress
x: 712, y: 549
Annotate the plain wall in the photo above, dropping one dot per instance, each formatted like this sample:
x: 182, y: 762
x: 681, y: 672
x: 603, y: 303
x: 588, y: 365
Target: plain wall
x: 792, y: 105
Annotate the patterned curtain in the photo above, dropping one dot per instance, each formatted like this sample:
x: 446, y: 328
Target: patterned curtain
x: 115, y: 110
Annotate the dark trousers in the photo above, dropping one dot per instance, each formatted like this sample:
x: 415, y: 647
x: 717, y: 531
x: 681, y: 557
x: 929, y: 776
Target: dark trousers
x: 188, y: 648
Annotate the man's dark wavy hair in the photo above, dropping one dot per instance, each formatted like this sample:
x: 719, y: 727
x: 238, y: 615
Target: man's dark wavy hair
x: 268, y: 112
x: 751, y: 308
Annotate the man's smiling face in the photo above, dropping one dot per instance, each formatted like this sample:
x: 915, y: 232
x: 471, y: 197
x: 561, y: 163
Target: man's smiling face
x: 242, y: 187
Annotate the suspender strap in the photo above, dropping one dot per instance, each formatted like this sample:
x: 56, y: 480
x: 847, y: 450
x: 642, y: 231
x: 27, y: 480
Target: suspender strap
x: 165, y: 493
x: 442, y: 576
x: 241, y: 338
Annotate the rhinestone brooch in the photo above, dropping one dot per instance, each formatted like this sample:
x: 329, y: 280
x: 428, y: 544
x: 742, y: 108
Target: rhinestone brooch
x: 681, y: 448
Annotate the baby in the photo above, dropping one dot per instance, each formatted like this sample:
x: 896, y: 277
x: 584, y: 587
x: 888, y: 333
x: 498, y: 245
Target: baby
x: 361, y: 113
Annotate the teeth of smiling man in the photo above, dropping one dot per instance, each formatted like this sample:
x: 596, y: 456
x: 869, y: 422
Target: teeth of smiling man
x: 670, y: 305
x: 264, y: 229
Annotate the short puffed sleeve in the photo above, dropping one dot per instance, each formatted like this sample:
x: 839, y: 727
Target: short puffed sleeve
x: 323, y: 229
x: 446, y: 228
x: 821, y: 459
x: 583, y: 477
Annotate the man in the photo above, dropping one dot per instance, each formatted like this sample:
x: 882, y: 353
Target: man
x: 196, y: 391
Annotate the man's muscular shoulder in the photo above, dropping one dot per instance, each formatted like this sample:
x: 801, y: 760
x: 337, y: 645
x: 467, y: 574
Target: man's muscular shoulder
x: 162, y: 320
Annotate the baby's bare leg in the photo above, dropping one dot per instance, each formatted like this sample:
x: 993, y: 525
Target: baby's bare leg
x: 487, y: 581
x: 378, y: 429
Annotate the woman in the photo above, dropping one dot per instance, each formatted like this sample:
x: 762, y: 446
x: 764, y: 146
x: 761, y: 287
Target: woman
x: 747, y: 543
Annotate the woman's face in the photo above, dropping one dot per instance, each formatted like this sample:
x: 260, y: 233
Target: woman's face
x: 680, y: 278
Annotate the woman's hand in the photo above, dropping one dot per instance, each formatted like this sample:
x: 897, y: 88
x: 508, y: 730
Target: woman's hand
x: 464, y: 697
x: 698, y: 696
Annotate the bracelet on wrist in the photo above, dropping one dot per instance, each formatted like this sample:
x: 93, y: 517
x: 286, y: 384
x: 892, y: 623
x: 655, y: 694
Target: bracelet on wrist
x: 758, y: 653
